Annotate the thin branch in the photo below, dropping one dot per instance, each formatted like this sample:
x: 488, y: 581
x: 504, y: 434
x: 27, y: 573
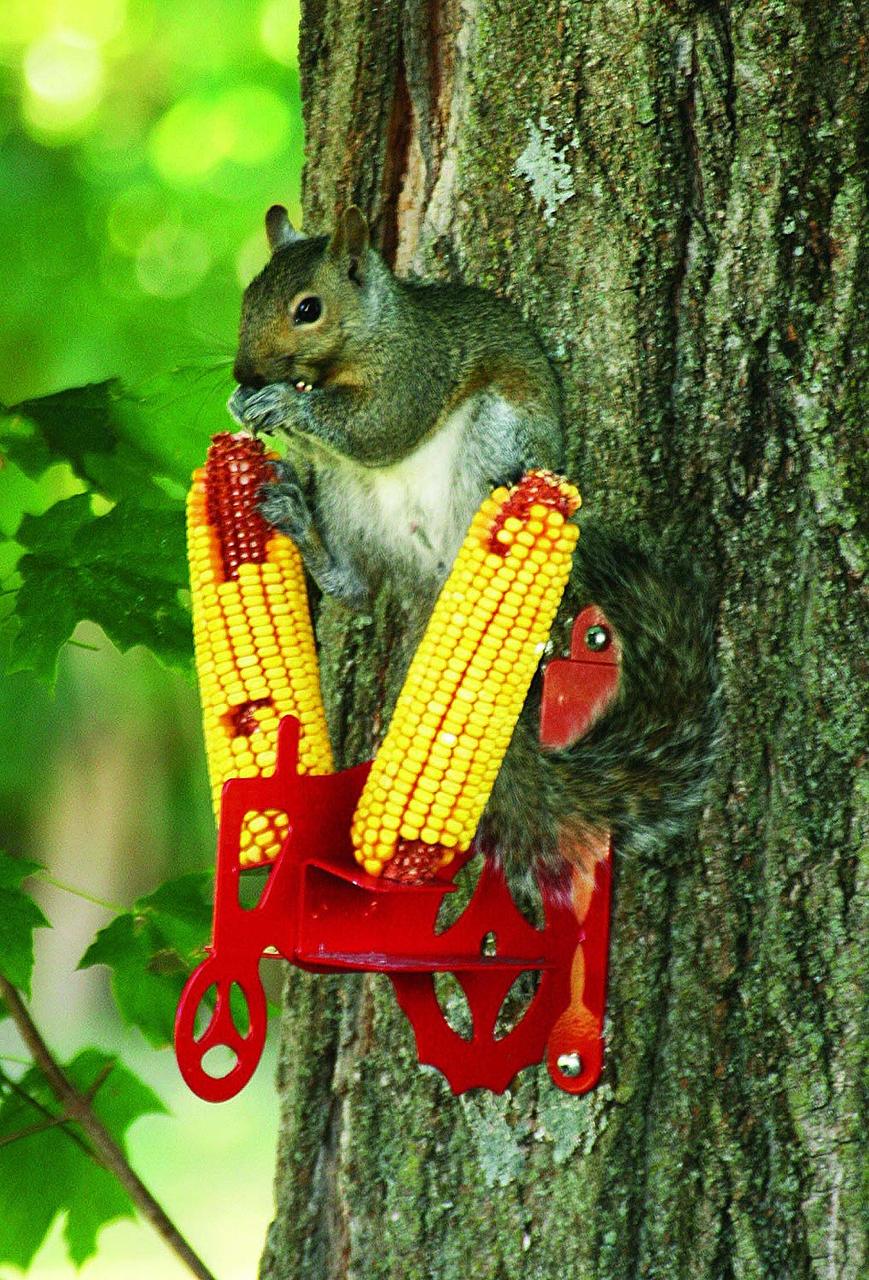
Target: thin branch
x: 79, y: 1109
x: 7, y: 1139
x: 50, y: 1117
x: 102, y: 1076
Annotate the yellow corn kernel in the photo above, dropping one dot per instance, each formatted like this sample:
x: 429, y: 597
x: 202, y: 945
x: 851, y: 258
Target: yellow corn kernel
x: 255, y: 654
x: 464, y: 691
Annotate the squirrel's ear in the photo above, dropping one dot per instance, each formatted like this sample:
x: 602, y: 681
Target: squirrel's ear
x: 351, y: 241
x: 279, y: 229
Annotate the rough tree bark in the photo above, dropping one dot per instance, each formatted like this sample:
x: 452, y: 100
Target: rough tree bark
x: 672, y: 193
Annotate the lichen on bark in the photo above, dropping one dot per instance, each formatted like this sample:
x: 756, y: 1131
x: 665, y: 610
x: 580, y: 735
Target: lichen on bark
x: 694, y: 268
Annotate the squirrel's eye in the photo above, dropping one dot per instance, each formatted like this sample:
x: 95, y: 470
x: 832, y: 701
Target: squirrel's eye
x: 308, y: 310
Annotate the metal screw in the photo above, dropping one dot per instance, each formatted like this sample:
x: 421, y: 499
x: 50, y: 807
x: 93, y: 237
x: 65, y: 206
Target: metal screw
x: 597, y: 638
x: 570, y: 1064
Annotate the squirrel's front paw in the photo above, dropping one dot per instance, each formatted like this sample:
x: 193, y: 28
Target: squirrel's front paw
x: 283, y: 505
x: 261, y: 407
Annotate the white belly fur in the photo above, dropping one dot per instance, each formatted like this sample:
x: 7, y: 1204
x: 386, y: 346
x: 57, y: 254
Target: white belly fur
x: 417, y: 511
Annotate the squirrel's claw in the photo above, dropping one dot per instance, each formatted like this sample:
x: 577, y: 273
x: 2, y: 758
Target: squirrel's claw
x: 259, y: 408
x: 235, y: 405
x: 283, y: 505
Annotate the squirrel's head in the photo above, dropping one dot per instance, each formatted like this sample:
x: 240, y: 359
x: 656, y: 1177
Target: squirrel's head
x: 307, y: 314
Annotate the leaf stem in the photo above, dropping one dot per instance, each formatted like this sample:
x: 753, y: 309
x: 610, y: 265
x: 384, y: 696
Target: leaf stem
x: 78, y: 1108
x: 79, y: 893
x: 31, y: 1129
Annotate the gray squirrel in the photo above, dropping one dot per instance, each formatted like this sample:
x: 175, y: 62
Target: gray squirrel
x: 402, y: 405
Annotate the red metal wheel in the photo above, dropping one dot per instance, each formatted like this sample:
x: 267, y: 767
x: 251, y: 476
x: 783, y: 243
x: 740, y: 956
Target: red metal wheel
x: 221, y: 1030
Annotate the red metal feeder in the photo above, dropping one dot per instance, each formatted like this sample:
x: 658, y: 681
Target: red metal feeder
x: 321, y: 911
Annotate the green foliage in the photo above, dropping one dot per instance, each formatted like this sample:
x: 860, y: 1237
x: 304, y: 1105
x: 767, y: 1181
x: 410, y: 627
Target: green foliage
x: 124, y: 569
x: 122, y: 442
x: 120, y: 570
x: 140, y: 144
x: 46, y: 1163
x: 151, y: 949
x: 19, y: 916
x: 139, y: 147
x: 82, y: 426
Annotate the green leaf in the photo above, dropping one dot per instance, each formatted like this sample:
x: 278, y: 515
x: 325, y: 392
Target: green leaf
x: 152, y: 948
x: 177, y: 412
x: 91, y: 428
x: 122, y: 570
x: 121, y: 441
x: 19, y: 916
x: 14, y: 870
x: 46, y: 1173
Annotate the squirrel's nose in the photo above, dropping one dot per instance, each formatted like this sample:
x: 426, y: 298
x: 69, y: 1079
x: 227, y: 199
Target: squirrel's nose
x: 246, y: 376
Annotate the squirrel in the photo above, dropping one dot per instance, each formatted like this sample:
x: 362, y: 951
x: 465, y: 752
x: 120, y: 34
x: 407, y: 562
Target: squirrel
x: 402, y: 405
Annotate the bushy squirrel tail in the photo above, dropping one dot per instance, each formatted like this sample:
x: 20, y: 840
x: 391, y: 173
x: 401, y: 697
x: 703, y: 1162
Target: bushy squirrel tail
x: 641, y: 771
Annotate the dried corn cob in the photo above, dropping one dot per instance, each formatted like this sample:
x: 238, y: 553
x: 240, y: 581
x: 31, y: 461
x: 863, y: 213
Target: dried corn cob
x: 454, y: 718
x: 255, y: 654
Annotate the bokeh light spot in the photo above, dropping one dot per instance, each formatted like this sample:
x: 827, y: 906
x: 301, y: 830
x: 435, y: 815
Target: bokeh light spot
x: 279, y: 30
x: 188, y: 141
x: 102, y: 20
x: 247, y: 124
x: 122, y: 121
x: 64, y: 69
x: 255, y: 123
x: 172, y: 260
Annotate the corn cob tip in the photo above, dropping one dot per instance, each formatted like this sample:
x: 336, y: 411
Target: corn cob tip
x: 540, y: 498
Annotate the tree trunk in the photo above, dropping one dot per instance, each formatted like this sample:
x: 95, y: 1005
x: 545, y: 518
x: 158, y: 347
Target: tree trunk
x: 671, y: 192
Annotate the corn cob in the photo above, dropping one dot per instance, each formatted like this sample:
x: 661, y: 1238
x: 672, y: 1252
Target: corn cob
x: 254, y: 645
x: 454, y: 718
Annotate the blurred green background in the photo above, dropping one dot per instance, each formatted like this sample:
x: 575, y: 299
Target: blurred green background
x: 140, y: 143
